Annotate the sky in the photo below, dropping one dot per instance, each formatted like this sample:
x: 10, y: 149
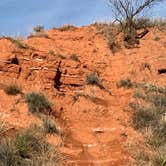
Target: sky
x: 18, y: 17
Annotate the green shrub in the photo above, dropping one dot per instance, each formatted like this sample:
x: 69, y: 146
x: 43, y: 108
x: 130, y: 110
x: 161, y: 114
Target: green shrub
x: 75, y: 57
x: 12, y: 89
x: 93, y: 79
x: 8, y: 154
x: 38, y: 28
x: 37, y: 102
x: 27, y: 144
x: 124, y: 83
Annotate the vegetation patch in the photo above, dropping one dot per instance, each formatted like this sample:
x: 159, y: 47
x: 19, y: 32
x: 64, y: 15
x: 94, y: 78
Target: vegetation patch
x: 51, y: 52
x: 74, y: 57
x: 19, y: 42
x: 1, y: 127
x: 28, y: 148
x: 12, y: 89
x: 149, y: 117
x: 66, y: 28
x: 37, y: 102
x: 144, y: 117
x: 38, y: 28
x: 93, y: 79
x: 124, y: 83
x: 156, y: 38
x: 61, y: 56
x: 50, y: 126
x: 39, y: 32
x: 110, y: 32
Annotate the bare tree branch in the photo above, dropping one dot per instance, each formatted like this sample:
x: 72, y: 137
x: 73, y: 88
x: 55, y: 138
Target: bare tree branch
x: 126, y: 11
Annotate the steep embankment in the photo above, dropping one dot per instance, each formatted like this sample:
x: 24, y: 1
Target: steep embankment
x: 96, y: 127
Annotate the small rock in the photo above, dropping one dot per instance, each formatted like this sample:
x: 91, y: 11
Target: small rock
x: 98, y: 130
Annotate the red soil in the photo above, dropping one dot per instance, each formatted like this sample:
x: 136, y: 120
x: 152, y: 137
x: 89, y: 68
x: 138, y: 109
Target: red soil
x: 96, y: 132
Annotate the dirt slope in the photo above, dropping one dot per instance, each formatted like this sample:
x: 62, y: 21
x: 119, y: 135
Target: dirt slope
x: 97, y: 129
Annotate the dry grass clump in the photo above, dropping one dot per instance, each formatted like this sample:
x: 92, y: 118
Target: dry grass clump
x: 150, y: 114
x: 1, y: 127
x: 18, y: 41
x: 40, y: 35
x: 66, y: 27
x: 39, y: 32
x: 50, y: 126
x: 28, y: 148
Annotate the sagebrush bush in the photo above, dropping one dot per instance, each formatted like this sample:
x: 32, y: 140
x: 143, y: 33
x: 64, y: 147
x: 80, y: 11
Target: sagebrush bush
x: 37, y: 102
x: 12, y: 89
